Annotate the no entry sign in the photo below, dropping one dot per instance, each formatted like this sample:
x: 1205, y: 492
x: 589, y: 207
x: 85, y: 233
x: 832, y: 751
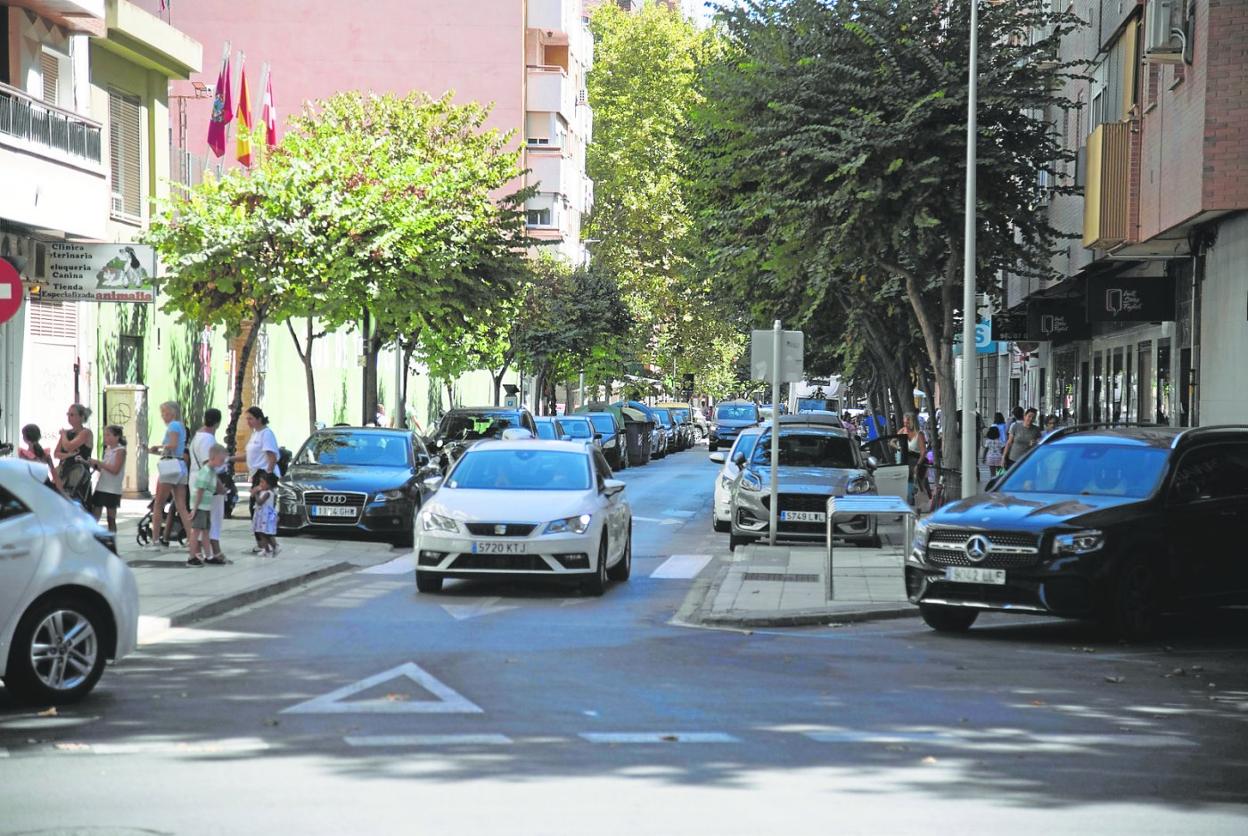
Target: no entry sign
x: 10, y: 291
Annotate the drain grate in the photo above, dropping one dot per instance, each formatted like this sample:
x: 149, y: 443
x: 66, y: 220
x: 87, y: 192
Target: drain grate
x: 156, y: 564
x: 781, y: 576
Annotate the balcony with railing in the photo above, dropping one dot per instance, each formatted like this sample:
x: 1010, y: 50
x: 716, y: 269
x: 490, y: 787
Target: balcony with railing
x: 550, y: 90
x: 557, y: 17
x: 1106, y: 204
x: 53, y: 166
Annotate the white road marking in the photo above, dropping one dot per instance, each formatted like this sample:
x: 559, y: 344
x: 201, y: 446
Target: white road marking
x: 448, y: 700
x: 665, y: 521
x: 659, y: 737
x: 681, y: 566
x: 486, y: 606
x: 684, y: 514
x: 990, y: 740
x: 229, y: 746
x: 428, y: 740
x: 399, y: 566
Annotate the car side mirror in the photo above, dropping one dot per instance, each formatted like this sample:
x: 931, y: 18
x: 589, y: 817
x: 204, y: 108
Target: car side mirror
x: 611, y: 487
x: 422, y: 459
x: 739, y: 459
x: 872, y: 463
x: 432, y: 482
x: 597, y: 436
x: 718, y: 458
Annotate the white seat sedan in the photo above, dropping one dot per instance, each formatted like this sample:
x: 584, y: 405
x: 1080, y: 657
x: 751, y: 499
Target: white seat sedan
x: 743, y: 443
x: 537, y: 508
x: 67, y: 601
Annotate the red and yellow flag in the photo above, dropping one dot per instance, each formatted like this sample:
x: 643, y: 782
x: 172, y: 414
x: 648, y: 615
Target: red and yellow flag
x: 244, y: 116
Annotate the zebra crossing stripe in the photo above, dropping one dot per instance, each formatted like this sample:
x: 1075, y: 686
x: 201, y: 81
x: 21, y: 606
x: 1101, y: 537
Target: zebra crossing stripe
x: 658, y: 737
x: 395, y: 740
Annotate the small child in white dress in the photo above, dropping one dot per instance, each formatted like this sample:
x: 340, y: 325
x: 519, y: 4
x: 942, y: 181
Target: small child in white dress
x: 264, y: 520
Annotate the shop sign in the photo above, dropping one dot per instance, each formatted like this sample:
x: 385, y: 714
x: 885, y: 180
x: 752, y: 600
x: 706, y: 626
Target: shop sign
x: 1130, y: 299
x: 99, y: 273
x: 1008, y: 326
x: 1057, y: 319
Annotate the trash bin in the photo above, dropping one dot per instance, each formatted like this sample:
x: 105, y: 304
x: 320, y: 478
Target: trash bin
x: 638, y: 435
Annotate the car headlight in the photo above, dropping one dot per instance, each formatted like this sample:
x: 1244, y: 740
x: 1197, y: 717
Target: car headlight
x: 569, y: 525
x: 859, y: 484
x: 430, y: 521
x: 388, y: 496
x: 725, y: 482
x: 750, y: 482
x: 285, y: 494
x: 1080, y: 542
x: 921, y: 530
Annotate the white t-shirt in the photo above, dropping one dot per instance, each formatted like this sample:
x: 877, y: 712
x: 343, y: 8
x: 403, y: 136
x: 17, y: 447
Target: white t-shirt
x: 262, y: 441
x: 201, y: 446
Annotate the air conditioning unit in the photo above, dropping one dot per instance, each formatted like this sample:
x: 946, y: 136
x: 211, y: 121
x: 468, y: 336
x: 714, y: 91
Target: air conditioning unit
x: 1165, y: 31
x: 1081, y: 166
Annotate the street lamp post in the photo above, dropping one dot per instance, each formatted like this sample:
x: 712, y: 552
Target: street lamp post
x: 970, y: 476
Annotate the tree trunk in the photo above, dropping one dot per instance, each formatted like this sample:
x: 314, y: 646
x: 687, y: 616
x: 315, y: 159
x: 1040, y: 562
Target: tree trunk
x: 402, y: 393
x: 240, y: 374
x: 305, y: 356
x: 450, y: 394
x: 498, y: 381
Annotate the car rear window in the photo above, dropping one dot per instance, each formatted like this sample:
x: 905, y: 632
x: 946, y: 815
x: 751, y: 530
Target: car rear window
x: 1091, y: 469
x: 546, y: 429
x: 737, y: 412
x: 603, y: 423
x: 576, y: 427
x: 515, y: 470
x: 462, y: 426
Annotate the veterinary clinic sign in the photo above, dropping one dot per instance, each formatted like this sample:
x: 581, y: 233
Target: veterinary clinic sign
x: 99, y: 273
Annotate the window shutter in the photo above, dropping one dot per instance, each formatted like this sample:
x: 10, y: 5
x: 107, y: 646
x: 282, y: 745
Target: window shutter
x: 124, y: 151
x: 54, y: 321
x: 50, y: 65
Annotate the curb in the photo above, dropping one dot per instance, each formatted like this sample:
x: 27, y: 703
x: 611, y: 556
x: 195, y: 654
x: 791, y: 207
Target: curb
x: 250, y: 596
x: 693, y: 612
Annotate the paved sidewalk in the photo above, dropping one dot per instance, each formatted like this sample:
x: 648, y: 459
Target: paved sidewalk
x: 172, y: 594
x: 784, y: 586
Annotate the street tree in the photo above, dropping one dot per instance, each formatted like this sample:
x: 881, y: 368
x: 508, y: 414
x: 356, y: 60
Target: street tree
x: 835, y: 133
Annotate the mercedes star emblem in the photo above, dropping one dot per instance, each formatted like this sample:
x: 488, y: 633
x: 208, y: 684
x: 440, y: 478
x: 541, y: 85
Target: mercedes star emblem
x: 977, y: 548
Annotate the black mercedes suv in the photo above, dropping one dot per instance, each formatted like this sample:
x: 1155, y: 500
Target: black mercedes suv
x: 1117, y: 523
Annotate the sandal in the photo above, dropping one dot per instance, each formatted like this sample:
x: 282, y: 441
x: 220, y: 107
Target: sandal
x: 194, y: 561
x: 216, y: 560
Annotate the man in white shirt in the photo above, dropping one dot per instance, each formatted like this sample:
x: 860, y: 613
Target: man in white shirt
x: 201, y: 450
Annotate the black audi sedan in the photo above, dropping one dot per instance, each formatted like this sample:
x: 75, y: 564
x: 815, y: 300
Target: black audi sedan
x: 356, y: 478
x: 1122, y: 524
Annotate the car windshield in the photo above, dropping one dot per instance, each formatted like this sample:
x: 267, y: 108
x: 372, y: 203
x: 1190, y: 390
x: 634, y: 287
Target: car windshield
x: 346, y: 448
x: 1091, y: 469
x: 576, y: 427
x: 664, y: 416
x: 681, y: 415
x: 604, y: 424
x: 806, y: 450
x: 463, y: 426
x: 521, y: 470
x: 546, y: 429
x: 737, y: 412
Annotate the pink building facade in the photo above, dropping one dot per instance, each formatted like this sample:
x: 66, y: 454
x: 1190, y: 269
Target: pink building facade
x: 525, y: 58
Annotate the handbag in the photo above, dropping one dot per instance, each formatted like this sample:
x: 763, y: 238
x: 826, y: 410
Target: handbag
x: 169, y: 468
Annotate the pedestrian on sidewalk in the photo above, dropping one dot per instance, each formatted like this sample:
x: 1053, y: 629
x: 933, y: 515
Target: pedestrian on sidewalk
x: 993, y: 450
x: 171, y: 476
x: 916, y: 456
x: 1050, y: 426
x: 73, y: 451
x: 261, y: 452
x: 201, y: 449
x: 107, y: 493
x: 264, y: 519
x: 203, y: 489
x: 34, y: 452
x: 1023, y: 436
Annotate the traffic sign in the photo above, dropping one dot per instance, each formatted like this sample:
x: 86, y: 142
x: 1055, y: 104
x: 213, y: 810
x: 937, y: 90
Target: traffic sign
x: 10, y: 291
x: 792, y: 355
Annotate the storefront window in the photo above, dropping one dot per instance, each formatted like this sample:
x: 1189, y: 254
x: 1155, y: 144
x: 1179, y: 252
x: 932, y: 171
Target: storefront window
x: 1165, y: 387
x: 1065, y: 365
x: 1117, y: 388
x: 1145, y: 377
x: 1096, y: 388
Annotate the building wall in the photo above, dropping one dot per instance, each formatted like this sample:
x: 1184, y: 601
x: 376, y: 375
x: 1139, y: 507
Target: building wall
x: 1226, y: 119
x: 1223, y: 389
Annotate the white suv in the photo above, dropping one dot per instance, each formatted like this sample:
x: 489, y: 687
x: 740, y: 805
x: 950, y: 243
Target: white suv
x: 67, y: 601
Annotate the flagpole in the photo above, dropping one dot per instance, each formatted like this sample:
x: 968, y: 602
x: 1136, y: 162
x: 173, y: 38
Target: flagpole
x: 263, y: 88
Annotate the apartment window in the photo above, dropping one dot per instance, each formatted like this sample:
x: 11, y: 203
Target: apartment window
x: 538, y: 217
x: 54, y: 70
x: 55, y: 322
x: 125, y: 155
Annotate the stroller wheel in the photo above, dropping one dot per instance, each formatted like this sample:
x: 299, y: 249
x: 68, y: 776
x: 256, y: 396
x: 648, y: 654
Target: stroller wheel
x: 144, y: 534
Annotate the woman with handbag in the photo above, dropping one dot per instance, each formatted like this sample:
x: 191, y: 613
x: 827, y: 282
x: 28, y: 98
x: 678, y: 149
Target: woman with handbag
x: 73, y: 451
x: 261, y: 455
x: 171, y: 476
x: 916, y: 456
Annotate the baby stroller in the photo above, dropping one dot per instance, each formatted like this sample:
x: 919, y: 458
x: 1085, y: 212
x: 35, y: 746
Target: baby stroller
x: 178, y: 533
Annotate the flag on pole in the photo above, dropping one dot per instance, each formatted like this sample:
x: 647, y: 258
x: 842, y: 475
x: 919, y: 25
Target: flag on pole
x: 269, y: 113
x: 243, y: 134
x: 222, y: 107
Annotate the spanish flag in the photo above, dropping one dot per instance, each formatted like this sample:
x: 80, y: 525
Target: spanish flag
x: 244, y: 116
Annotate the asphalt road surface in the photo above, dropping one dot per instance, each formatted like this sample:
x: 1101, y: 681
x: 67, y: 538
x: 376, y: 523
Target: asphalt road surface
x: 359, y: 706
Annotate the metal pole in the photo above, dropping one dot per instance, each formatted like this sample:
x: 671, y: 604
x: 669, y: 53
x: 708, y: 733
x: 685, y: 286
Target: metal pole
x: 970, y: 480
x: 580, y: 391
x: 774, y: 511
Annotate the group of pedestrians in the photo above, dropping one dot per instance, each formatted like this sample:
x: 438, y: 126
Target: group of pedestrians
x: 193, y: 477
x: 1005, y: 443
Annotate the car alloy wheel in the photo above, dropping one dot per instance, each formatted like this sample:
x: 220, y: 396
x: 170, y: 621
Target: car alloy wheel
x: 58, y: 652
x: 945, y: 619
x: 597, y: 584
x: 621, y: 570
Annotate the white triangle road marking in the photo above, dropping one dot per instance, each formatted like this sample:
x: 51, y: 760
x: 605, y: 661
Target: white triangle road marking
x: 486, y: 606
x: 681, y: 566
x: 449, y: 701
